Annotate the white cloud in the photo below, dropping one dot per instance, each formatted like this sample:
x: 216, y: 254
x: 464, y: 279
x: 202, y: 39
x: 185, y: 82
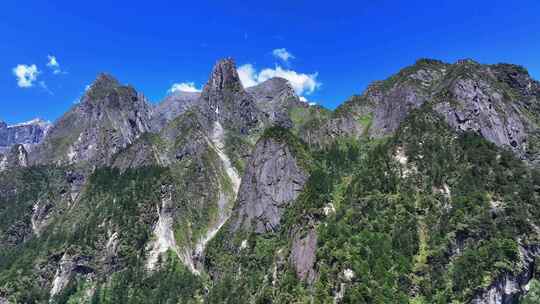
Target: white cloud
x: 282, y: 54
x: 53, y: 64
x: 184, y: 87
x: 300, y: 82
x: 311, y: 103
x: 248, y: 75
x: 26, y: 75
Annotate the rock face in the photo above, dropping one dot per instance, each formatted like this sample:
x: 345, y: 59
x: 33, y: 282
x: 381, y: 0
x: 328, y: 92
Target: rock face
x: 476, y: 102
x: 509, y: 288
x: 109, y: 117
x: 275, y: 97
x: 28, y: 133
x: 303, y: 254
x: 224, y: 99
x: 164, y: 235
x: 68, y: 267
x: 173, y: 106
x: 179, y: 184
x: 16, y: 157
x: 500, y: 102
x: 396, y: 97
x: 273, y: 179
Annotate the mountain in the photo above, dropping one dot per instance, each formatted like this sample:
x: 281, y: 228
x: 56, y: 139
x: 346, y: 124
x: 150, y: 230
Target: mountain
x: 108, y: 118
x: 499, y: 102
x: 425, y: 188
x: 28, y: 133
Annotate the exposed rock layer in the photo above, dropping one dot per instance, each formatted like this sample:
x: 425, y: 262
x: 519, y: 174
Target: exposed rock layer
x: 273, y: 179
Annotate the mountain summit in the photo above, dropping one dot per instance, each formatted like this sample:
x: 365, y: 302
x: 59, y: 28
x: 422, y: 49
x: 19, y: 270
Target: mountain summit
x: 108, y: 118
x: 224, y: 100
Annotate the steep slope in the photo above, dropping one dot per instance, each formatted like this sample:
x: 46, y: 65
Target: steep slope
x: 275, y: 98
x: 223, y: 99
x: 412, y: 192
x: 173, y: 106
x: 499, y: 102
x: 28, y: 134
x: 108, y: 118
x: 273, y: 179
x: 197, y: 147
x: 423, y: 216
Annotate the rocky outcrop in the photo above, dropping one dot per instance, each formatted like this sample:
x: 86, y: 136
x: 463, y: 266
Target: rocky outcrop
x: 224, y: 99
x: 16, y: 157
x: 499, y: 102
x: 272, y: 181
x: 40, y: 215
x: 510, y: 287
x: 332, y: 129
x: 164, y: 234
x: 173, y: 106
x: 393, y: 99
x: 28, y: 134
x: 486, y: 104
x: 70, y: 265
x: 275, y: 97
x: 109, y: 117
x: 303, y: 254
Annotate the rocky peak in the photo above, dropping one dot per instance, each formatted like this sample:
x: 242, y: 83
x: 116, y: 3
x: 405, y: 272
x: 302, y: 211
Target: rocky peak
x: 272, y: 89
x: 224, y: 100
x: 465, y: 61
x: 517, y: 78
x: 275, y: 97
x: 490, y: 100
x: 104, y: 81
x: 224, y: 77
x: 106, y: 91
x: 3, y: 125
x: 109, y: 117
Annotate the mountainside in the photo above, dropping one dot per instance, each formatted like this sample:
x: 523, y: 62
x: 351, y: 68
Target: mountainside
x: 499, y: 102
x: 108, y: 118
x: 423, y: 189
x: 173, y: 106
x: 28, y: 133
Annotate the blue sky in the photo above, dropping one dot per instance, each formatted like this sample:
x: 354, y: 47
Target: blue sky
x: 339, y: 47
